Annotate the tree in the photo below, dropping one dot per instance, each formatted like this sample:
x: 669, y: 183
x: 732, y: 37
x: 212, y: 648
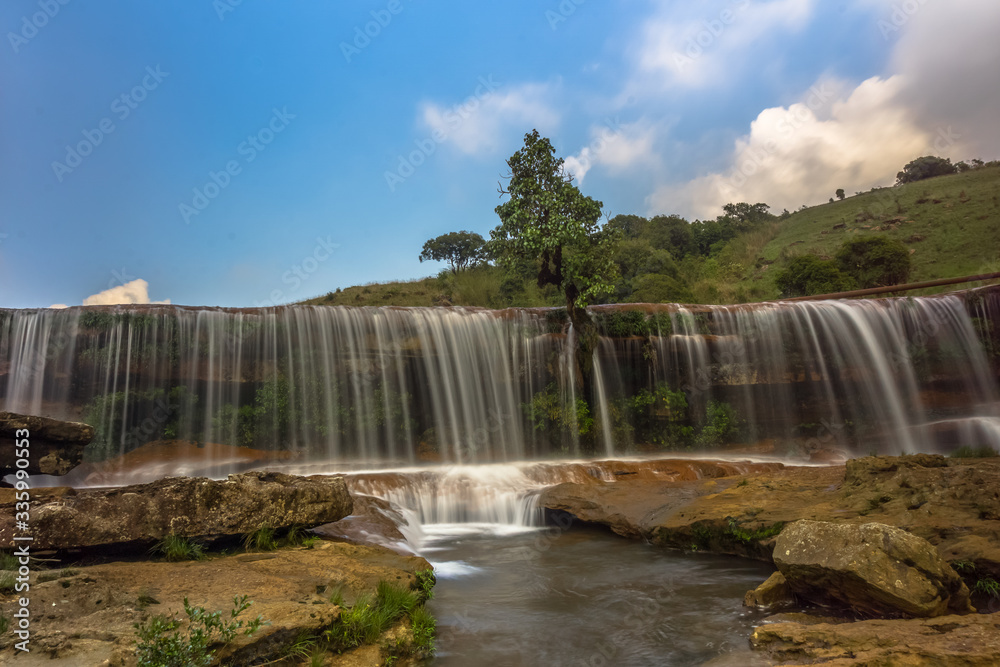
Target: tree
x: 928, y: 166
x: 549, y: 221
x: 840, y: 194
x: 743, y: 216
x: 460, y: 249
x: 875, y: 261
x: 807, y: 275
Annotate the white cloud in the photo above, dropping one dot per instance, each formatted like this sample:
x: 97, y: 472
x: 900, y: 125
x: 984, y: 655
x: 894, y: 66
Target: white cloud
x: 483, y: 122
x: 618, y: 148
x: 940, y: 100
x: 58, y: 306
x: 697, y: 44
x: 135, y: 291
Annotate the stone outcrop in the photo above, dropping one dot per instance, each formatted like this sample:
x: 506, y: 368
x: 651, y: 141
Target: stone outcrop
x: 55, y: 447
x: 185, y: 506
x: 84, y: 615
x: 873, y: 569
x: 773, y: 592
x: 972, y: 640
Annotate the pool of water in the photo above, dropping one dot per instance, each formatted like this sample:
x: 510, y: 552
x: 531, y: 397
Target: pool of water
x: 508, y: 596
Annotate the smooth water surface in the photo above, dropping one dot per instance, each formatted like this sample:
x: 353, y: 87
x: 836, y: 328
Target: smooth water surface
x: 509, y: 597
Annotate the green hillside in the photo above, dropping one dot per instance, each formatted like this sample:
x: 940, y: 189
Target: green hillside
x: 949, y: 224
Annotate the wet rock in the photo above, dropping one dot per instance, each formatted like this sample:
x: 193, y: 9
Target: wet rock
x: 55, y: 446
x: 186, y: 506
x: 967, y: 641
x: 875, y: 569
x: 773, y: 592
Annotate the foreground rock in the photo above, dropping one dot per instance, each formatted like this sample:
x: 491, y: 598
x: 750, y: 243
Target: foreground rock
x: 960, y: 641
x: 55, y: 447
x: 185, y: 506
x: 84, y: 616
x: 874, y: 569
x: 773, y: 592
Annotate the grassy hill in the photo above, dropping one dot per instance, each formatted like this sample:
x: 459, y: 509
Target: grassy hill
x: 951, y: 224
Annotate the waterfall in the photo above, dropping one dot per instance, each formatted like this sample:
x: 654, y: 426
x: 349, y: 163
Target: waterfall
x: 390, y: 387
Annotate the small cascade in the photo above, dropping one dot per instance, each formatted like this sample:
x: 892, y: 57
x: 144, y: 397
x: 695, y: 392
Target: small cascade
x: 402, y: 387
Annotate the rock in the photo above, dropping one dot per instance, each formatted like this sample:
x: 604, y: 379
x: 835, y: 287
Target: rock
x: 374, y: 521
x: 966, y: 641
x: 54, y: 447
x: 186, y: 506
x: 773, y: 592
x: 875, y: 569
x: 84, y: 615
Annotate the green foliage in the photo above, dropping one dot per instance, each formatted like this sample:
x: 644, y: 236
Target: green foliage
x: 925, y: 167
x: 8, y: 570
x: 744, y: 536
x: 840, y: 193
x: 722, y: 425
x: 424, y: 628
x: 117, y: 425
x: 970, y: 452
x: 655, y: 288
x: 261, y: 539
x: 177, y: 548
x: 425, y: 583
x: 161, y: 643
x: 622, y: 323
x: 807, y: 275
x: 460, y: 249
x: 550, y: 413
x: 874, y: 261
x: 547, y: 219
x: 365, y: 622
x: 987, y: 586
x: 660, y: 416
x: 5, y: 624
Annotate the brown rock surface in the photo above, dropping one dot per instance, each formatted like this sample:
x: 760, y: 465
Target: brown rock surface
x: 972, y: 640
x: 186, y: 506
x: 774, y: 591
x: 55, y: 446
x: 83, y: 616
x: 874, y: 569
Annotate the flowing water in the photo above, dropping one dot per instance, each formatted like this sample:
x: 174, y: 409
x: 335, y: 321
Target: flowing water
x: 398, y: 386
x: 521, y: 598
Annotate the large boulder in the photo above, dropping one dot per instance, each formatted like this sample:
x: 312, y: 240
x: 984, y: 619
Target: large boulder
x: 874, y: 569
x: 771, y: 593
x: 185, y: 506
x: 54, y: 447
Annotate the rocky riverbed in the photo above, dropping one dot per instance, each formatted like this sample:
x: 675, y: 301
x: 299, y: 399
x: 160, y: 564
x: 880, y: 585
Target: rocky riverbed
x: 951, y: 505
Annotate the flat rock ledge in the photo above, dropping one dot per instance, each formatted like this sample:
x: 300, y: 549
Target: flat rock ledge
x: 946, y: 641
x: 55, y: 446
x: 183, y: 506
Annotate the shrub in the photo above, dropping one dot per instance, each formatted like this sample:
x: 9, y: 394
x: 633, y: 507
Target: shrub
x: 161, y: 644
x: 928, y: 166
x: 875, y: 261
x: 807, y: 275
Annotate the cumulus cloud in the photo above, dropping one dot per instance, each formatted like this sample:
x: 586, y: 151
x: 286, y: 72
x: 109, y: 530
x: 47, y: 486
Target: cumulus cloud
x: 695, y: 44
x: 58, y: 306
x: 940, y: 101
x: 616, y: 147
x: 801, y: 154
x: 135, y: 291
x: 478, y: 124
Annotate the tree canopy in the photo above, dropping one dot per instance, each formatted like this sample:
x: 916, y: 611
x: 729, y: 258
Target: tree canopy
x: 460, y: 249
x: 928, y: 166
x: 548, y: 220
x: 875, y: 261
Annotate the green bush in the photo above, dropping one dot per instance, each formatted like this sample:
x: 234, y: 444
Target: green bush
x: 875, y: 261
x: 161, y: 644
x: 808, y: 275
x: 925, y: 167
x: 723, y: 425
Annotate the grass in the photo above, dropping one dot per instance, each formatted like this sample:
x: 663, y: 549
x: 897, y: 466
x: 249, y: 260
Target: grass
x: 365, y: 622
x: 8, y: 571
x: 987, y: 586
x: 4, y: 624
x: 262, y: 539
x: 177, y: 548
x: 424, y: 628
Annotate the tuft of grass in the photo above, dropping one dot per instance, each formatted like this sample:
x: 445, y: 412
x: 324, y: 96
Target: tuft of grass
x: 424, y: 628
x: 968, y: 452
x: 425, y: 583
x: 301, y: 537
x: 177, y: 548
x: 987, y: 586
x: 262, y: 539
x: 963, y: 566
x: 365, y: 622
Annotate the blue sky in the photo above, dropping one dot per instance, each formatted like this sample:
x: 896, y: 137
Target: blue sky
x: 214, y: 153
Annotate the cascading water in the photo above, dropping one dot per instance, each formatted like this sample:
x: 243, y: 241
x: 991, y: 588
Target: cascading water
x: 396, y: 386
